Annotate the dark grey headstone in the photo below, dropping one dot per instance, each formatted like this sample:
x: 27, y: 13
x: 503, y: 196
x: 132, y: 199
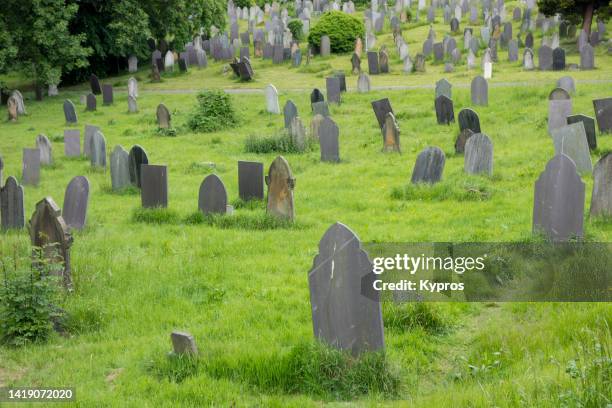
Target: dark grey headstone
x: 429, y: 166
x: 212, y: 198
x: 480, y: 91
x: 12, y: 209
x: 120, y: 168
x: 545, y: 58
x: 280, y: 183
x: 90, y: 130
x: 603, y: 114
x: 468, y: 119
x: 438, y: 51
x: 94, y: 82
x: 290, y: 111
x: 316, y: 96
x: 137, y: 157
x: 183, y: 343
x: 76, y: 201
x: 587, y: 57
x: 478, y: 155
x: 329, y: 140
x: 571, y: 141
x: 589, y: 128
x: 31, y: 167
x: 250, y: 180
x: 70, y: 112
x: 107, y: 94
x: 513, y: 50
x: 558, y: 59
x: 558, y: 208
x: 444, y: 110
x: 98, y: 150
x: 462, y: 139
x: 342, y: 316
x: 91, y: 102
x: 381, y: 107
x: 383, y: 61
x: 373, y: 67
x: 342, y: 78
x: 154, y: 186
x: 333, y: 89
x: 601, y: 199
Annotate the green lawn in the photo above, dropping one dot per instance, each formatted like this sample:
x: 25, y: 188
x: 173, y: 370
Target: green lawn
x: 243, y: 292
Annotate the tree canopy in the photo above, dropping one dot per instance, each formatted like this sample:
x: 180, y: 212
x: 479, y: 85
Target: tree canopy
x: 577, y: 11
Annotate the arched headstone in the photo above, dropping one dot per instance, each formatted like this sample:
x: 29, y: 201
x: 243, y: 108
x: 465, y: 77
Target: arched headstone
x: 429, y: 166
x: 478, y: 155
x: 212, y: 198
x: 280, y: 183
x: 12, y: 209
x: 76, y: 201
x: 137, y: 157
x: 120, y: 168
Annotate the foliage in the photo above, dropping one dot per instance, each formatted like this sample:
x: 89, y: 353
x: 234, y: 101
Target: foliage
x: 296, y: 26
x: 213, y: 112
x: 243, y: 3
x: 27, y: 298
x: 575, y: 11
x: 412, y: 315
x: 281, y: 142
x: 342, y: 29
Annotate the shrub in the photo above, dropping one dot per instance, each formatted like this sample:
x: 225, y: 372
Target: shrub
x: 296, y: 27
x: 278, y: 143
x: 243, y: 3
x: 213, y: 112
x: 341, y: 28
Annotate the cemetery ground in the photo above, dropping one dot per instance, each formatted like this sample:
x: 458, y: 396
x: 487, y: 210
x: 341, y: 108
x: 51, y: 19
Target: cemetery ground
x: 239, y: 283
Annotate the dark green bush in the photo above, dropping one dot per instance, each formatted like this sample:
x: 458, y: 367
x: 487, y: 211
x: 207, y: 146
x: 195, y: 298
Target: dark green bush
x: 243, y: 3
x: 213, y: 112
x: 296, y: 27
x: 341, y: 28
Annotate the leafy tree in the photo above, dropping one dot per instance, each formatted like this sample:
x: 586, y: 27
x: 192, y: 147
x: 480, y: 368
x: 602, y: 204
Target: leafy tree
x: 577, y: 11
x: 8, y: 51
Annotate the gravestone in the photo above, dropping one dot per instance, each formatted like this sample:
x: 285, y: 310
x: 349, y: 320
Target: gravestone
x: 480, y: 91
x: 212, y: 198
x: 325, y: 46
x: 91, y: 103
x: 558, y: 208
x: 545, y: 58
x: 603, y: 114
x: 70, y: 112
x: 46, y: 151
x: 250, y: 180
x: 315, y: 124
x: 587, y: 57
x: 154, y: 186
x: 132, y: 64
x: 133, y: 87
x: 528, y: 64
x: 381, y: 108
x: 529, y: 40
x: 444, y: 110
x: 571, y: 141
x: 132, y: 104
x: 163, y: 116
x: 513, y: 51
x: 289, y: 112
x: 373, y: 67
x: 120, y: 168
x: 280, y: 184
x: 478, y: 155
x: 383, y: 61
x: 462, y: 139
x: 272, y: 105
x: 72, y: 142
x: 355, y: 64
x: 94, y: 83
x: 342, y: 316
x: 589, y: 128
x: 443, y: 87
x: 11, y: 106
x: 298, y: 133
x: 98, y: 150
x: 342, y: 78
x: 316, y: 96
x: 429, y: 166
x: 601, y: 199
x: 419, y: 63
x: 30, y: 174
x: 329, y: 140
x: 363, y: 83
x: 567, y: 83
x: 136, y: 158
x: 391, y: 134
x: 107, y: 94
x: 558, y: 59
x: 50, y: 233
x: 183, y: 344
x: 468, y: 119
x: 559, y: 108
x: 438, y: 51
x: 12, y: 208
x: 76, y: 200
x: 320, y: 108
x: 90, y: 130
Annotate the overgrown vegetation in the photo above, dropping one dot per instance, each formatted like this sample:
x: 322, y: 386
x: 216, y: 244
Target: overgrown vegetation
x: 296, y: 26
x: 282, y: 142
x: 213, y: 112
x: 459, y: 188
x: 342, y: 30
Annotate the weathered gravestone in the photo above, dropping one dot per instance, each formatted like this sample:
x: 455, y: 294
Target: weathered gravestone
x: 320, y: 108
x: 298, y: 133
x: 280, y: 184
x: 137, y: 157
x: 315, y: 124
x: 250, y: 180
x: 70, y: 112
x: 119, y: 168
x: 132, y: 64
x: 462, y: 139
x: 163, y: 116
x: 513, y: 50
x: 12, y: 209
x: 603, y: 114
x: 558, y: 59
x: 76, y: 201
x: 468, y: 119
x: 559, y: 108
x: 383, y: 61
x: 341, y: 315
x: 342, y: 79
x: 381, y: 107
x: 94, y: 82
x: 212, y: 198
x: 601, y: 199
x: 50, y: 233
x: 528, y: 64
x: 355, y: 64
x: 558, y: 208
x: 587, y: 57
x: 11, y: 106
x: 333, y: 89
x: 154, y: 186
x: 316, y: 96
x: 567, y: 83
x: 271, y: 94
x: 329, y: 140
x: 391, y: 134
x: 480, y: 91
x: 589, y: 128
x: 183, y: 344
x: 98, y: 150
x: 444, y: 110
x: 373, y: 67
x: 429, y: 166
x: 363, y: 83
x: 133, y: 87
x: 325, y: 48
x: 90, y: 130
x: 289, y: 112
x: 91, y: 102
x: 443, y: 87
x: 438, y: 51
x: 46, y: 150
x: 478, y: 155
x: 30, y: 167
x: 571, y: 141
x: 545, y: 58
x: 107, y: 94
x: 132, y: 104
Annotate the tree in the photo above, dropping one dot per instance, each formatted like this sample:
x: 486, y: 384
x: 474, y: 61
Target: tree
x: 576, y: 11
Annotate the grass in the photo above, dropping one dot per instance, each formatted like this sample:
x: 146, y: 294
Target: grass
x: 239, y: 283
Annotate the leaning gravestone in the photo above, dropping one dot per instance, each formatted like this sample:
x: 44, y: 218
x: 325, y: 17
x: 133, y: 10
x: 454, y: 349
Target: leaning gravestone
x: 478, y: 155
x: 444, y: 110
x: 163, y: 116
x: 601, y: 199
x: 571, y: 141
x: 70, y: 112
x: 333, y: 89
x: 280, y: 183
x: 212, y: 198
x: 443, y: 87
x: 328, y: 133
x: 183, y: 344
x: 603, y: 114
x: 272, y: 105
x: 559, y: 108
x: 49, y: 233
x: 381, y: 107
x: 558, y: 208
x: 429, y: 166
x: 90, y: 130
x: 462, y: 139
x: 316, y: 96
x: 76, y: 200
x: 31, y: 167
x: 154, y: 182
x: 468, y: 119
x: 12, y: 209
x: 363, y: 83
x: 98, y: 150
x: 91, y: 103
x: 120, y: 168
x: 107, y: 94
x: 137, y: 157
x: 250, y: 180
x: 289, y: 112
x: 94, y: 82
x: 46, y: 151
x: 480, y: 91
x: 341, y: 315
x: 391, y: 134
x: 589, y: 128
